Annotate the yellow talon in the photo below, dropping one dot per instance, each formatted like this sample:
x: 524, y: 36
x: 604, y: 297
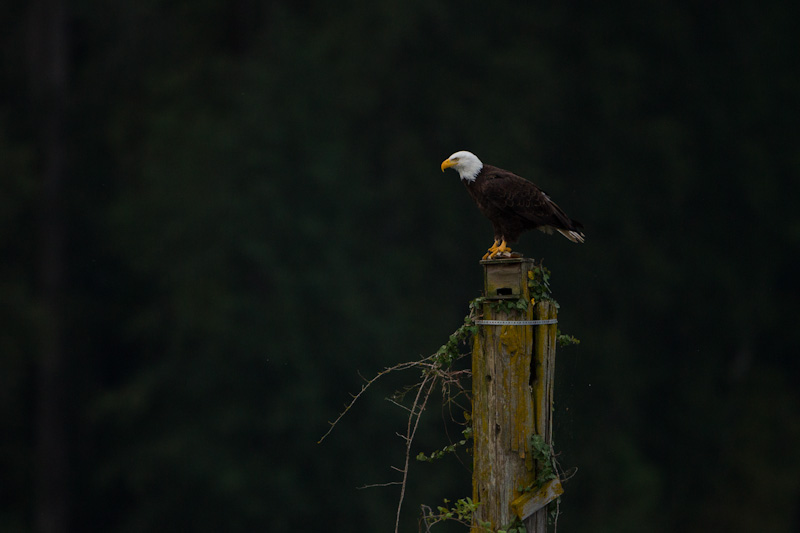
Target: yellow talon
x: 502, y: 248
x: 492, y: 249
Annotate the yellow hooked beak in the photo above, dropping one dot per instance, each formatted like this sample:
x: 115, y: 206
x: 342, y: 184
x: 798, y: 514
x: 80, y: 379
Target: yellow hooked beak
x: 447, y: 163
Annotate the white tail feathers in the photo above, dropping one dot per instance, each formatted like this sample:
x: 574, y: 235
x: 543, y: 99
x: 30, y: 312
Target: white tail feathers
x: 574, y: 236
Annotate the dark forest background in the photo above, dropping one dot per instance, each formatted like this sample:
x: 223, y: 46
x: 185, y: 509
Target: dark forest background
x: 214, y: 215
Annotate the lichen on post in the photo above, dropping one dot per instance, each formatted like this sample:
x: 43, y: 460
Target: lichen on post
x: 512, y: 376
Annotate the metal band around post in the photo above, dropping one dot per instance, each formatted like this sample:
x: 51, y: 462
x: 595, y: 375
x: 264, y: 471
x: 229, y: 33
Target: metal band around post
x: 517, y: 322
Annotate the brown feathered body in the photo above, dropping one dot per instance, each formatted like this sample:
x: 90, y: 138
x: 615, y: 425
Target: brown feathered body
x: 514, y: 205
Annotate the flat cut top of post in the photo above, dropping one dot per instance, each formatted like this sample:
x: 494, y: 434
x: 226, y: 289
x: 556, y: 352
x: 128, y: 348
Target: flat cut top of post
x: 507, y: 261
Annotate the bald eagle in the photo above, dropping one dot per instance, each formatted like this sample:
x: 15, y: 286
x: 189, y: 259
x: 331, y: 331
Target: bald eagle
x: 511, y: 203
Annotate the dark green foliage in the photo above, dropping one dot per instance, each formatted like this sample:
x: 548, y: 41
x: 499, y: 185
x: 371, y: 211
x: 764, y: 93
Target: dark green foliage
x: 450, y: 351
x: 460, y: 511
x: 507, y: 304
x: 514, y: 527
x: 252, y: 214
x: 566, y: 340
x: 543, y: 455
x: 539, y: 284
x: 450, y: 448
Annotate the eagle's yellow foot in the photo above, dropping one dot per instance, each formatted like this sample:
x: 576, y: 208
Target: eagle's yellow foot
x: 492, y: 249
x: 501, y: 249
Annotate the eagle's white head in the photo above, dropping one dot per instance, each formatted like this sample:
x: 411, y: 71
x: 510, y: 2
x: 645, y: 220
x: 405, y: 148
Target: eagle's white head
x: 465, y: 163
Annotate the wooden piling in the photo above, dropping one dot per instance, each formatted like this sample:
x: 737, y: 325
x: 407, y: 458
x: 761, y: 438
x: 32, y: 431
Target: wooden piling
x: 512, y: 397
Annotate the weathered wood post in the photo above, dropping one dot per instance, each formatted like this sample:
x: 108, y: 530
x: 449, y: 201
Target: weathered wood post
x: 513, y: 361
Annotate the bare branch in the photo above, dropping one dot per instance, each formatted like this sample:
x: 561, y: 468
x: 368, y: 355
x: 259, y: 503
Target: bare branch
x: 428, y: 379
x: 375, y: 485
x: 364, y: 387
x: 436, y: 370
